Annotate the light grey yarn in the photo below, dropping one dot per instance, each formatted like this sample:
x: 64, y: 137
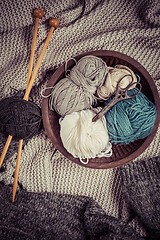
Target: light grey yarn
x: 76, y: 91
x: 89, y: 72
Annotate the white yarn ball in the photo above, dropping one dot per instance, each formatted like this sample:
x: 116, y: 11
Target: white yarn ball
x: 83, y: 138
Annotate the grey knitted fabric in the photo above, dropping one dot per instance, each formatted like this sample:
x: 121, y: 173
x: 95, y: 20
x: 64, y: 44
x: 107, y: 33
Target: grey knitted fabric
x: 131, y: 27
x: 141, y: 189
x: 57, y: 216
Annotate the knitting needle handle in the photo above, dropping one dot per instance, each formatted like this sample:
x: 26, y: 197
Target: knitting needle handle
x: 5, y: 149
x: 54, y: 24
x: 17, y: 168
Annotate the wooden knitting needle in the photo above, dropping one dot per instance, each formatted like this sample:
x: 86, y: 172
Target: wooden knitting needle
x: 54, y: 23
x: 17, y: 168
x: 38, y: 13
x: 5, y: 149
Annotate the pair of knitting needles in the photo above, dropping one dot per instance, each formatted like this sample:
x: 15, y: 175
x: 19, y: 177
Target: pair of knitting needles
x: 54, y: 23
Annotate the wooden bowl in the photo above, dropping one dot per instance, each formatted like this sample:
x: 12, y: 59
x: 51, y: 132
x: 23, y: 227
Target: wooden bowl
x: 121, y: 153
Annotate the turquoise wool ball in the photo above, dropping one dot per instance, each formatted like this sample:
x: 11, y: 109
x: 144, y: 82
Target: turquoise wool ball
x: 131, y: 119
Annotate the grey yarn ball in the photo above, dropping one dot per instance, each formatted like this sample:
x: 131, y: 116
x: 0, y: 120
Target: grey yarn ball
x: 76, y: 91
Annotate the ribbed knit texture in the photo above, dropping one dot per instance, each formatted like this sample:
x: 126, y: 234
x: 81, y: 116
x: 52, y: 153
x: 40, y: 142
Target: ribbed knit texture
x: 141, y: 189
x: 55, y: 216
x: 61, y: 216
x: 131, y: 27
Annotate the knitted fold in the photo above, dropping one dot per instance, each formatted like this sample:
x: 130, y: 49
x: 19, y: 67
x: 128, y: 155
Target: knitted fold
x: 141, y: 188
x: 56, y: 216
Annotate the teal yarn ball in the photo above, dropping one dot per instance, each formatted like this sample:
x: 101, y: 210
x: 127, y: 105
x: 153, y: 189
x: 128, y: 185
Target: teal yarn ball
x: 130, y: 119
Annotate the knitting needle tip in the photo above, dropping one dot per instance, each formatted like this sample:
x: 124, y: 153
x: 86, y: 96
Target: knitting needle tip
x: 13, y: 198
x: 14, y: 194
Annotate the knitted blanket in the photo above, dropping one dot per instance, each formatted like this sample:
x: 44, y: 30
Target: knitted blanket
x: 131, y: 27
x: 61, y: 216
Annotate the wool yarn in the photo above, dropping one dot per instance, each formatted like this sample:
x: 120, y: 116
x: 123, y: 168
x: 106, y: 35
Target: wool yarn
x: 114, y: 75
x: 83, y: 138
x: 19, y: 118
x: 131, y: 119
x: 77, y: 90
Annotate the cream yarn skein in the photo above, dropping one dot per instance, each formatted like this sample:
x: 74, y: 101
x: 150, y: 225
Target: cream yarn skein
x: 77, y: 91
x: 114, y: 75
x: 83, y: 138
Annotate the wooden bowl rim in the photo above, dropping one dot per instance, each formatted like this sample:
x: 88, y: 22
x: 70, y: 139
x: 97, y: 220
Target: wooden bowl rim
x: 101, y: 165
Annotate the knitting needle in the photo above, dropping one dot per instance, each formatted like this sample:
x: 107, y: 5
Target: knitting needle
x: 17, y: 168
x: 54, y: 23
x: 38, y: 13
x: 5, y: 149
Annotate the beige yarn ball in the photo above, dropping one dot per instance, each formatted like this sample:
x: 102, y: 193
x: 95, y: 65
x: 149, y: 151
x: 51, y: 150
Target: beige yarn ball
x: 114, y: 75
